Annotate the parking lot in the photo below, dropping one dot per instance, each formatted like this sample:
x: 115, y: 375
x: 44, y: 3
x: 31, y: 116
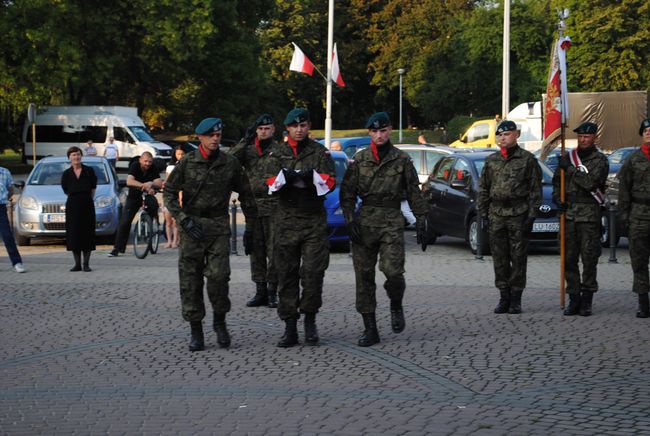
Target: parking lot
x: 106, y: 352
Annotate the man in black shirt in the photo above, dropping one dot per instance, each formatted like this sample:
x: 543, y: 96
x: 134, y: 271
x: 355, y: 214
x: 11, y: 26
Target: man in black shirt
x: 142, y: 176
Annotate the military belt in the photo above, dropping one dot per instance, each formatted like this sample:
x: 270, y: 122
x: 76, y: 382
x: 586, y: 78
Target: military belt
x: 573, y: 198
x: 306, y: 204
x: 510, y: 202
x: 641, y: 200
x: 206, y: 213
x: 381, y: 202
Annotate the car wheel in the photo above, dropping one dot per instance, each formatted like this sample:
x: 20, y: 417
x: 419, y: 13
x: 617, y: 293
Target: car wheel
x: 472, y: 237
x: 605, y: 235
x: 22, y: 241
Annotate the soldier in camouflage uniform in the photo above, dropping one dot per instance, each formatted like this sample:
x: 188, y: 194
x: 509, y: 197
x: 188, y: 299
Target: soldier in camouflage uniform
x: 253, y: 153
x: 634, y: 208
x: 586, y: 174
x: 301, y: 245
x: 381, y: 175
x: 206, y: 177
x: 510, y: 193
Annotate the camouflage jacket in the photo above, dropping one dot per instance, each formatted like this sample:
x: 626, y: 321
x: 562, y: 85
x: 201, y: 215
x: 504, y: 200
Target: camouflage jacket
x: 255, y: 165
x: 206, y: 187
x: 510, y: 187
x: 579, y: 185
x: 294, y: 201
x: 634, y: 187
x: 381, y: 187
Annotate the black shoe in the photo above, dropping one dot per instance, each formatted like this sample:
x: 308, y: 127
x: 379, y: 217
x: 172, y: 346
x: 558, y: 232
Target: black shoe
x: 585, y: 303
x: 574, y: 305
x: 219, y: 325
x: 87, y: 268
x: 397, y: 321
x: 515, y: 302
x: 76, y: 268
x: 370, y: 335
x: 113, y: 253
x: 273, y: 295
x: 644, y: 306
x: 311, y: 331
x: 261, y: 297
x: 196, y: 341
x: 504, y: 302
x: 290, y: 337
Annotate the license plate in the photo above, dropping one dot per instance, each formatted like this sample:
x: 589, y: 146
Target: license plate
x: 55, y: 218
x: 546, y: 227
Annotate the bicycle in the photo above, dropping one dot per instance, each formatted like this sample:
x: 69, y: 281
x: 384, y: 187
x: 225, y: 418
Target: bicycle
x: 147, y: 231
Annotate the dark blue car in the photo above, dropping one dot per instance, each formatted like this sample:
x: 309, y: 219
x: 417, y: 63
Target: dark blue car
x: 337, y: 228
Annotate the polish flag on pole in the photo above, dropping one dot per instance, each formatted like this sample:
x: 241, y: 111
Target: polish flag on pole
x: 556, y: 108
x: 300, y: 62
x: 336, y: 73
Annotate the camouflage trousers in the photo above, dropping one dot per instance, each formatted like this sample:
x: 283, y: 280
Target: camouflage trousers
x: 582, y: 242
x: 261, y: 258
x: 639, y: 254
x: 388, y: 244
x: 302, y: 256
x: 509, y: 246
x: 207, y: 258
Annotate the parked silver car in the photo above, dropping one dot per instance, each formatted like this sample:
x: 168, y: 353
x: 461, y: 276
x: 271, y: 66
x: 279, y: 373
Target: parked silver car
x: 40, y: 210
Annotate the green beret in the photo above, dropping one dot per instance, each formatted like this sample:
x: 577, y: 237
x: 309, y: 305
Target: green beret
x: 586, y: 128
x: 378, y: 120
x: 264, y: 120
x: 209, y: 125
x: 506, y: 126
x: 644, y: 125
x: 296, y: 116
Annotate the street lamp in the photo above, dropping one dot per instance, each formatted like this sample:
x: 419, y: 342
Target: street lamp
x: 401, y: 73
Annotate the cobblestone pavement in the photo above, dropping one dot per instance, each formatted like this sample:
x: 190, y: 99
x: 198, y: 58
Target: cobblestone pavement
x: 106, y: 352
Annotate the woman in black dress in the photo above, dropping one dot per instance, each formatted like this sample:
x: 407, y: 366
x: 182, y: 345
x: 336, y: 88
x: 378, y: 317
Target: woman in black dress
x: 79, y: 183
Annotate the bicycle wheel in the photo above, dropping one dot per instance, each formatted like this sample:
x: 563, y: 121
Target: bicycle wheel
x: 155, y: 236
x: 142, y: 236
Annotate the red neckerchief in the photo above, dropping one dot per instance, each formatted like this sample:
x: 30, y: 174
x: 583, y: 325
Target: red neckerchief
x: 257, y: 145
x: 504, y: 152
x: 375, y: 153
x: 293, y: 144
x: 203, y: 153
x: 645, y: 148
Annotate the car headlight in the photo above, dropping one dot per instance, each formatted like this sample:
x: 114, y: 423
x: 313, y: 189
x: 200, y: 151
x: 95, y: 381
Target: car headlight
x: 338, y: 211
x: 27, y: 202
x: 103, y: 201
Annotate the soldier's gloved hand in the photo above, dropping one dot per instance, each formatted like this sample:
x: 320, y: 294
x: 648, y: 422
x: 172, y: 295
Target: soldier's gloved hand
x: 355, y: 232
x: 307, y: 175
x: 421, y: 232
x: 289, y: 175
x: 564, y: 162
x: 251, y: 133
x: 192, y: 228
x: 249, y: 242
x: 562, y: 207
x: 527, y: 225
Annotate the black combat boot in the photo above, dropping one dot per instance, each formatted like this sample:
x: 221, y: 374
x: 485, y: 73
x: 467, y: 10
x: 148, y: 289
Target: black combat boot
x: 273, y: 295
x: 515, y: 302
x: 87, y: 261
x: 77, y: 261
x: 397, y: 321
x: 290, y: 337
x: 644, y: 306
x: 504, y: 302
x: 311, y: 332
x: 585, y: 303
x: 574, y: 305
x: 260, y: 298
x: 219, y: 324
x: 196, y: 341
x: 370, y: 335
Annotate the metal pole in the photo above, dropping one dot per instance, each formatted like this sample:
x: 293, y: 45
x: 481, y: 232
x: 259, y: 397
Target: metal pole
x: 401, y: 73
x: 505, y: 86
x: 233, y: 228
x: 328, y: 105
x: 611, y: 210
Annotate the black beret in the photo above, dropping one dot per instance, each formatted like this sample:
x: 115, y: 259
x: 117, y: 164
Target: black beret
x: 378, y: 120
x: 264, y: 120
x: 586, y: 128
x: 506, y: 126
x: 296, y: 116
x: 644, y: 125
x: 209, y: 125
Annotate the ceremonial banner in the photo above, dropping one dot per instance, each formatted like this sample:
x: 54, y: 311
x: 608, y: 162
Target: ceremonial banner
x: 556, y: 108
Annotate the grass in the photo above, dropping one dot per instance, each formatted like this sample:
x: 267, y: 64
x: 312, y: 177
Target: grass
x: 12, y: 161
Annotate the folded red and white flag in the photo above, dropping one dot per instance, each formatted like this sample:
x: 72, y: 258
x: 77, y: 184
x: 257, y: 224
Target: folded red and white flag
x: 323, y: 183
x: 300, y: 62
x: 336, y: 73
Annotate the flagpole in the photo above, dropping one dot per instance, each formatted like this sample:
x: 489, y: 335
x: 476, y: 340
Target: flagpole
x: 330, y: 43
x: 505, y: 85
x: 562, y: 174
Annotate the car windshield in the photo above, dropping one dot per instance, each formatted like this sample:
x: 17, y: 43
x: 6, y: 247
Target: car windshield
x: 619, y: 156
x: 49, y: 173
x: 547, y: 174
x: 140, y: 133
x: 341, y: 164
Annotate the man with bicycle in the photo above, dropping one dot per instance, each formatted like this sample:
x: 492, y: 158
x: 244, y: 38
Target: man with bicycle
x: 142, y: 177
x: 207, y: 177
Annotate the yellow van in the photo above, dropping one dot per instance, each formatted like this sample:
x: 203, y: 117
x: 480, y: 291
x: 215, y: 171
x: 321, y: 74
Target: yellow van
x: 480, y: 134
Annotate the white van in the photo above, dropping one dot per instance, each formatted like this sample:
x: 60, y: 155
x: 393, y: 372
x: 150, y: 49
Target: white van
x: 60, y: 127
